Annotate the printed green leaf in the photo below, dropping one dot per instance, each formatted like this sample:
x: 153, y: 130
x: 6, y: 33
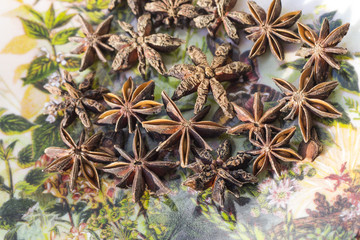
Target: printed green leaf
x: 72, y: 64
x: 346, y: 76
x: 35, y: 13
x: 39, y: 69
x: 46, y: 135
x: 62, y: 19
x: 14, y: 124
x: 298, y: 64
x: 36, y: 177
x: 13, y: 210
x: 25, y: 157
x: 50, y: 17
x: 34, y: 29
x: 62, y: 37
x: 11, y: 234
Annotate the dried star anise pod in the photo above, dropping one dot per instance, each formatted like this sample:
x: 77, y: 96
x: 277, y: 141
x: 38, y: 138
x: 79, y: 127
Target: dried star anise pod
x: 172, y: 12
x: 271, y: 29
x: 78, y: 100
x: 272, y: 150
x: 136, y: 6
x: 307, y: 100
x: 183, y: 130
x: 79, y: 157
x: 311, y: 149
x: 218, y: 12
x: 255, y: 121
x: 141, y: 46
x: 204, y: 77
x: 141, y: 170
x: 133, y: 106
x: 221, y: 174
x: 322, y: 47
x: 93, y: 42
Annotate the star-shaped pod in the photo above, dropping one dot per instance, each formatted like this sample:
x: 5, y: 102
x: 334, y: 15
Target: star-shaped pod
x: 79, y: 100
x: 322, y: 48
x: 183, y: 130
x: 218, y: 12
x: 79, y: 157
x: 136, y: 6
x: 255, y: 121
x: 132, y: 106
x: 172, y: 12
x: 307, y: 100
x: 203, y: 77
x: 141, y: 46
x: 93, y: 42
x: 141, y: 170
x: 220, y: 174
x: 271, y: 28
x: 273, y: 150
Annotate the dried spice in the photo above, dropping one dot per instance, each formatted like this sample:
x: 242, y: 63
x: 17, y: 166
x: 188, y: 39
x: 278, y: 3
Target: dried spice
x: 217, y: 13
x: 271, y: 28
x: 272, y: 150
x: 136, y: 6
x: 78, y: 100
x: 307, y: 100
x: 141, y: 46
x: 79, y: 157
x: 172, y: 12
x: 255, y: 122
x: 322, y: 47
x: 221, y: 173
x: 202, y: 77
x: 93, y: 42
x: 132, y: 106
x: 183, y: 130
x: 311, y: 149
x: 140, y: 170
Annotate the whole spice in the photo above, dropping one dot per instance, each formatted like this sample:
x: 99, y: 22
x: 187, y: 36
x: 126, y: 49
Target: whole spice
x: 140, y: 170
x: 255, y: 122
x: 322, y: 47
x: 136, y: 6
x: 93, y: 42
x: 132, y: 106
x: 221, y: 174
x: 141, y: 46
x: 183, y: 130
x: 79, y: 157
x: 78, y: 100
x: 172, y: 12
x: 307, y: 100
x: 203, y: 77
x: 271, y: 28
x: 218, y: 12
x: 272, y: 150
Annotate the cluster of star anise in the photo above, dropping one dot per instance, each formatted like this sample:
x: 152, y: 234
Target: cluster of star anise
x: 144, y: 169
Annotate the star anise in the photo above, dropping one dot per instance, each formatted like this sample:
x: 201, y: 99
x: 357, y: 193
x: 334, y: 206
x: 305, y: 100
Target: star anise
x: 307, y: 100
x: 217, y: 13
x: 140, y: 170
x: 272, y: 150
x: 78, y: 100
x: 132, y: 106
x: 255, y: 121
x: 79, y: 157
x: 204, y: 77
x: 135, y: 5
x: 93, y: 42
x: 322, y: 47
x: 183, y: 130
x: 221, y: 174
x: 271, y: 29
x: 141, y: 46
x: 172, y: 12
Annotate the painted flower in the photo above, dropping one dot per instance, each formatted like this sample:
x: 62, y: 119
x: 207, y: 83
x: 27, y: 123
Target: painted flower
x: 280, y: 193
x: 78, y: 233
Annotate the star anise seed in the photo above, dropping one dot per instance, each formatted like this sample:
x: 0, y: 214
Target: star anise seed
x: 79, y: 157
x: 140, y: 170
x: 220, y: 174
x: 183, y: 130
x: 132, y: 106
x: 203, y: 77
x: 271, y: 29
